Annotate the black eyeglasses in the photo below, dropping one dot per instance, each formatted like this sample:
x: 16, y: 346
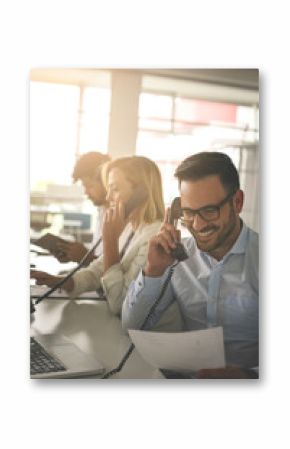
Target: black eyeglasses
x: 207, y: 213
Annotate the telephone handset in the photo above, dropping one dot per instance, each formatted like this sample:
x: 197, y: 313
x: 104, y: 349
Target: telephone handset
x: 174, y: 214
x: 139, y: 196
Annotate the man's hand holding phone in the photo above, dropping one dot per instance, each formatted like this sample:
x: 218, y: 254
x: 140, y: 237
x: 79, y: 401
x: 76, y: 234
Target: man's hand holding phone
x: 160, y: 248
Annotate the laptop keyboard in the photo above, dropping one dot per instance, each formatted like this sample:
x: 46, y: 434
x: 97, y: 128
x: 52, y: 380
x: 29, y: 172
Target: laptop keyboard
x: 41, y: 361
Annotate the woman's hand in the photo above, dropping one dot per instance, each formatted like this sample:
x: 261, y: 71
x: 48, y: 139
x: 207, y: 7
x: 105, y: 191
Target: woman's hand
x: 113, y: 226
x: 114, y: 222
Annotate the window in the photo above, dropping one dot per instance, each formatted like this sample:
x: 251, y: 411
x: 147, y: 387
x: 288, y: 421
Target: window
x: 173, y: 127
x: 95, y: 114
x: 53, y: 131
x: 65, y: 121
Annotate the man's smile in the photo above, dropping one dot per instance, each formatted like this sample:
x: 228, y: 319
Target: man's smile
x: 205, y: 234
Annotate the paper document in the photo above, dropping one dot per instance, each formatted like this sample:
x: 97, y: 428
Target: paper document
x: 181, y: 351
x: 38, y: 290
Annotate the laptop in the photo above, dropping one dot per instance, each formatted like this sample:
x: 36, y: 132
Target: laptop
x: 55, y: 356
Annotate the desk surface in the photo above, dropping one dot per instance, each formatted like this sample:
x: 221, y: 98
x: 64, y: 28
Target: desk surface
x: 91, y: 326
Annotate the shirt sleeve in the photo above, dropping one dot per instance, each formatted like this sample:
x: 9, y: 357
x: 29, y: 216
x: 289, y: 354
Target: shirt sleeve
x: 87, y: 279
x: 142, y: 294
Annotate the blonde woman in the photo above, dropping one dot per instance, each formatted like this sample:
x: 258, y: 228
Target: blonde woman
x: 125, y: 239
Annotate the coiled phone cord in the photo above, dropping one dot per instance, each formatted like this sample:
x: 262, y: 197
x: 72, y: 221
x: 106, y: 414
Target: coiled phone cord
x: 147, y: 318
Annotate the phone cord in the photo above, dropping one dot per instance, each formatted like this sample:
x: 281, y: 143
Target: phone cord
x: 69, y: 275
x: 147, y: 318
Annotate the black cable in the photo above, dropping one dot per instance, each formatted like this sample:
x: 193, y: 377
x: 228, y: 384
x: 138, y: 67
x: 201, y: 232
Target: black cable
x: 68, y: 276
x: 148, y: 316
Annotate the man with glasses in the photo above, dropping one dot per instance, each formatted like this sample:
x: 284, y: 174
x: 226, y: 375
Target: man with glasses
x: 217, y: 285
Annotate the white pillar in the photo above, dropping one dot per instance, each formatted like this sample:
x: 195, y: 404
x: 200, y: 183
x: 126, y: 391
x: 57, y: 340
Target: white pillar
x: 126, y: 87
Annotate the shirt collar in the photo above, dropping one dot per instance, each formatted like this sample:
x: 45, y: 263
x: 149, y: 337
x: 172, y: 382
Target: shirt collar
x: 240, y: 244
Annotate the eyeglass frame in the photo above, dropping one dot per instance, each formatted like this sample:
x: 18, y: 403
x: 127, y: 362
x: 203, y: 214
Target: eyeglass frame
x: 198, y: 211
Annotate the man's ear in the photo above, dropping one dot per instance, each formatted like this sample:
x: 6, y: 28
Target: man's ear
x: 239, y: 201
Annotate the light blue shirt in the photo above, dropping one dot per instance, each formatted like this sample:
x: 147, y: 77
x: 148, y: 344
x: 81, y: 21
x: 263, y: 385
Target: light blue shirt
x: 209, y: 293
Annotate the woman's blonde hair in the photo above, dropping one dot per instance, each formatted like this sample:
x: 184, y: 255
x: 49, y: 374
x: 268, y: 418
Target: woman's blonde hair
x: 140, y: 170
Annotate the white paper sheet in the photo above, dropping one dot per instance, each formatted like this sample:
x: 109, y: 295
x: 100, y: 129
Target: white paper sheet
x: 181, y: 351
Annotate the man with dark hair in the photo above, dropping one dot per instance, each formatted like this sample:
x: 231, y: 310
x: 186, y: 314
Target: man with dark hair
x: 218, y: 284
x: 209, y: 163
x: 87, y: 170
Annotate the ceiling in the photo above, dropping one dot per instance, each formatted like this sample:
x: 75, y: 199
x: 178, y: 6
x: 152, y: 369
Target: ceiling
x: 241, y: 78
x: 245, y: 78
